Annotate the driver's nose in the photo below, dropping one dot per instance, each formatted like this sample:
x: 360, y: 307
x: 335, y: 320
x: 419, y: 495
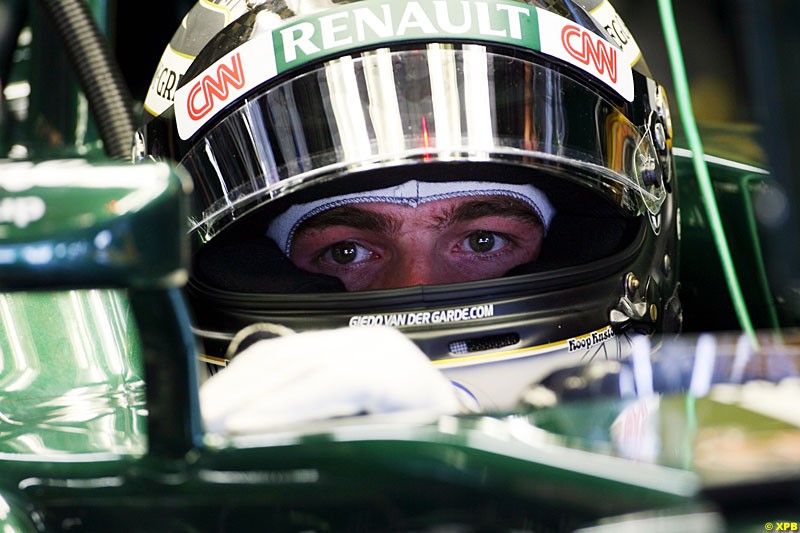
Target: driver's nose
x: 411, y: 270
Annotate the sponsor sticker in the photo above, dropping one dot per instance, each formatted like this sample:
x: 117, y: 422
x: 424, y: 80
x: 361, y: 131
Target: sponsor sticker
x: 574, y: 347
x: 422, y: 318
x: 607, y: 16
x: 584, y: 342
x: 223, y: 82
x: 374, y: 23
x: 580, y: 47
x: 162, y: 90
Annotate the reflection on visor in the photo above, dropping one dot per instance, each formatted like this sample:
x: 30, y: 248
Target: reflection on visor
x: 389, y: 108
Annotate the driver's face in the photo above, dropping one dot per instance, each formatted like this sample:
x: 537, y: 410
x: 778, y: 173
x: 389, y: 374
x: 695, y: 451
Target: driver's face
x: 383, y: 246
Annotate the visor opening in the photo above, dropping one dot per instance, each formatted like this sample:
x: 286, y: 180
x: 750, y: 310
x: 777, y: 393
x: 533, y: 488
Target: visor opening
x: 482, y: 344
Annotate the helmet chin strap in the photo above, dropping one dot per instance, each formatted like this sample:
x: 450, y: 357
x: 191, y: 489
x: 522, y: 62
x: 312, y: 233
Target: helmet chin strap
x: 412, y: 194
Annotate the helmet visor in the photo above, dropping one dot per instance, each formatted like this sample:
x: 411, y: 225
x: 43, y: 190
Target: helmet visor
x: 394, y: 107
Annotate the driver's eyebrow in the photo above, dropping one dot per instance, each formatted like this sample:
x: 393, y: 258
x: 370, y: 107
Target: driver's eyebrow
x: 490, y: 206
x: 352, y: 216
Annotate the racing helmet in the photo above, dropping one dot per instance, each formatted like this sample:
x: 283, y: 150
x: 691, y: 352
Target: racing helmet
x: 279, y: 107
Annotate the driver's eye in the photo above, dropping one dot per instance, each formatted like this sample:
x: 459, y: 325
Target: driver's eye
x: 346, y: 252
x: 483, y: 241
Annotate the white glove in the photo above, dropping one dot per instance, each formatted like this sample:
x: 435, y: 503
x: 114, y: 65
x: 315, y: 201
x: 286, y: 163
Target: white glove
x: 325, y: 374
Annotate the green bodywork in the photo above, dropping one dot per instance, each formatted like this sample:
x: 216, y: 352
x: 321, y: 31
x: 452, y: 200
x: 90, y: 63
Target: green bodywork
x: 99, y: 420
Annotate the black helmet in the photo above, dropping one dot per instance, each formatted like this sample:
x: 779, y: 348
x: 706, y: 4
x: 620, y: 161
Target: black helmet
x: 280, y: 104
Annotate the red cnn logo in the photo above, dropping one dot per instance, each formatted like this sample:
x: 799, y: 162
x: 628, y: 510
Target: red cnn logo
x: 202, y: 95
x: 585, y: 47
